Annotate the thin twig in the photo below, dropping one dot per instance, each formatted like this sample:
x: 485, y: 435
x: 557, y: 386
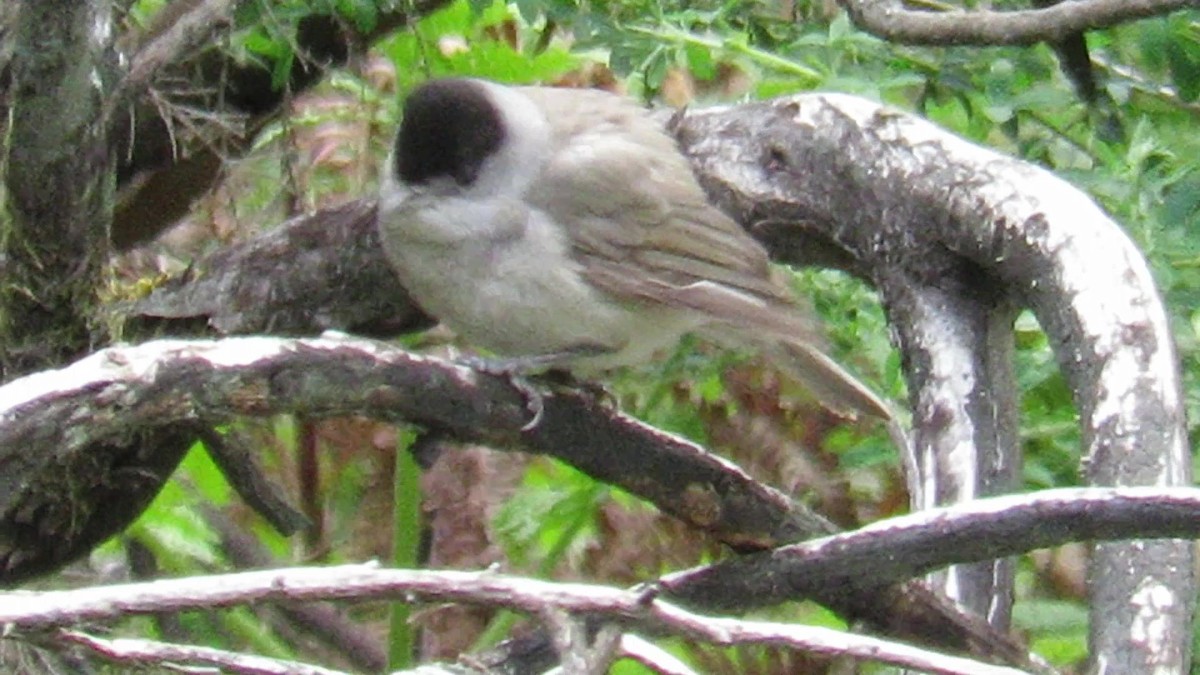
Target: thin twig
x: 188, y: 32
x: 184, y: 658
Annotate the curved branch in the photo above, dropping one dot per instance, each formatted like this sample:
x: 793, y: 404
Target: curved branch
x: 888, y: 20
x: 927, y: 216
x: 120, y: 390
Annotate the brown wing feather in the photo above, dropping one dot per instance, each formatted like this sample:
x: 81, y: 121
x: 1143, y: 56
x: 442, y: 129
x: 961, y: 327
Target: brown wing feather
x: 642, y: 229
x: 635, y: 203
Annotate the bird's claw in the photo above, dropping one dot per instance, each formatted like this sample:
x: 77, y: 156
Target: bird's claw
x: 511, y: 369
x: 514, y: 368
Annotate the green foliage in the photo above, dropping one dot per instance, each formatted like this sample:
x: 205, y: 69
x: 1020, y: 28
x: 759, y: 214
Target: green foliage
x: 551, y: 518
x: 1059, y: 629
x: 455, y: 41
x: 172, y: 528
x: 1172, y: 47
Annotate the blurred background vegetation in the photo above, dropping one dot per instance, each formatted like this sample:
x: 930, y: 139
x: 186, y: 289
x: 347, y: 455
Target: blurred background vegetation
x: 1135, y: 146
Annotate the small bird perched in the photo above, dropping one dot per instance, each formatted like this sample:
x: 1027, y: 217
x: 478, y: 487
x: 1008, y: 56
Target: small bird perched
x: 564, y: 226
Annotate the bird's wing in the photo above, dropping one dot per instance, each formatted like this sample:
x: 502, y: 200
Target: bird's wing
x: 642, y: 230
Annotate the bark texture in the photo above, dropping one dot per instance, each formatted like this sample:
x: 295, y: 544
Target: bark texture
x: 951, y: 235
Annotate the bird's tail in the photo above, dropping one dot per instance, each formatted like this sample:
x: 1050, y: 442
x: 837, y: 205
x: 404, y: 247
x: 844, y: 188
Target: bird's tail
x: 804, y: 360
x: 835, y: 386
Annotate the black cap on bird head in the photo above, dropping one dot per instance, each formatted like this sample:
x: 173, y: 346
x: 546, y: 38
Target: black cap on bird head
x: 450, y: 127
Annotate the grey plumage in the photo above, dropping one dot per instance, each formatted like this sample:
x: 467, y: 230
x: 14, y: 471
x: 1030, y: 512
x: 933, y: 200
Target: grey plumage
x: 540, y: 221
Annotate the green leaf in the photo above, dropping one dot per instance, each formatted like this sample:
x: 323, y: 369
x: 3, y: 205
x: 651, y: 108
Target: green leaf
x: 498, y: 61
x: 417, y: 56
x: 550, y: 516
x: 700, y: 61
x: 1184, y: 61
x: 363, y: 13
x: 455, y: 18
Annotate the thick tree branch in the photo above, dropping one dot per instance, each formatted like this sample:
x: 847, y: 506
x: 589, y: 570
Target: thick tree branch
x: 120, y: 390
x: 949, y: 232
x: 313, y: 273
x: 60, y: 189
x: 889, y: 20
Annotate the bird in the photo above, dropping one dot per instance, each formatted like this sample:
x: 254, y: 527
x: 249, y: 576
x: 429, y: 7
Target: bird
x: 566, y: 228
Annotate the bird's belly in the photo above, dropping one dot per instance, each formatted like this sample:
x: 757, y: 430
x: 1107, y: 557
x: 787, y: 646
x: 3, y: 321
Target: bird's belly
x: 502, y: 276
x: 514, y: 301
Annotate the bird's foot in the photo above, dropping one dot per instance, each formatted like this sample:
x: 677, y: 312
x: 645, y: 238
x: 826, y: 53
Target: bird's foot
x: 554, y: 374
x: 514, y: 370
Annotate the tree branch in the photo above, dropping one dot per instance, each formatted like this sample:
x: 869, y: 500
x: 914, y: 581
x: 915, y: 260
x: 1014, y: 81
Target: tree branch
x: 947, y: 232
x: 172, y: 382
x: 58, y: 417
x: 258, y: 287
x: 906, y: 547
x: 133, y: 653
x: 52, y: 609
x: 887, y: 19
